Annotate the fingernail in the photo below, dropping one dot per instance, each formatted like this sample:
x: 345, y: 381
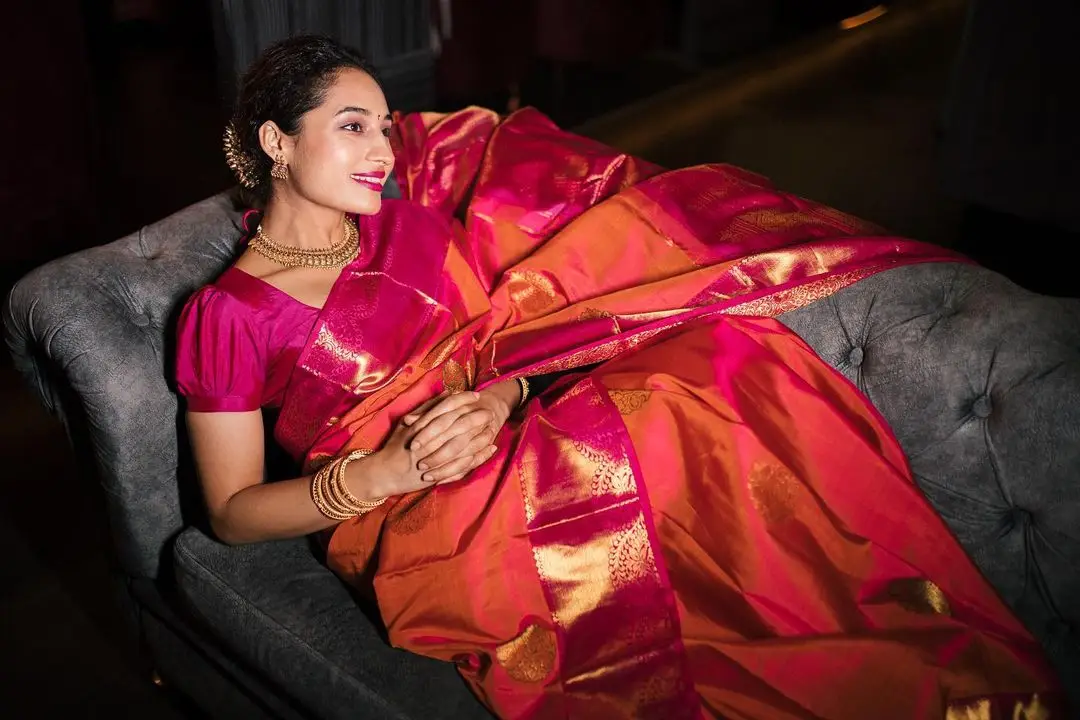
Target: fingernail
x: 425, y: 477
x: 423, y: 466
x: 415, y: 448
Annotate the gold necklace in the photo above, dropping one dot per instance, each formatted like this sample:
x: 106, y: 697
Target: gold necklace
x: 335, y: 256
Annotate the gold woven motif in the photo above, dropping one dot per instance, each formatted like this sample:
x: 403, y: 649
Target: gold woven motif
x: 773, y: 490
x: 529, y: 657
x: 977, y: 710
x: 455, y: 378
x: 983, y: 709
x: 629, y: 401
x: 631, y: 558
x: 410, y: 516
x: 919, y: 596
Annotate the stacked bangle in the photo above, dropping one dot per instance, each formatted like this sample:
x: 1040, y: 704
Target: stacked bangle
x: 331, y: 494
x: 524, y: 390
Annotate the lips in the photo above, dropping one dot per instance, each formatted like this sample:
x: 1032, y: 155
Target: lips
x: 371, y: 180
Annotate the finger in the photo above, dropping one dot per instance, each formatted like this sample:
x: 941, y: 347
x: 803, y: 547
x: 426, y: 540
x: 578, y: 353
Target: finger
x: 464, y: 445
x: 442, y: 423
x: 450, y: 469
x: 483, y: 456
x: 420, y: 409
x: 448, y: 426
x: 451, y: 450
x: 479, y: 459
x: 444, y: 406
x: 437, y: 428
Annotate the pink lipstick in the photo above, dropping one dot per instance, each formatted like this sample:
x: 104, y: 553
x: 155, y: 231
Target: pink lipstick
x: 371, y: 180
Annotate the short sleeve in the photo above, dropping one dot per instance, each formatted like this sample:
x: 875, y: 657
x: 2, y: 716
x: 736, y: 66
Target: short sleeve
x: 220, y: 364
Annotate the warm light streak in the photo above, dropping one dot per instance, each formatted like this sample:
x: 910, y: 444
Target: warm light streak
x: 862, y: 18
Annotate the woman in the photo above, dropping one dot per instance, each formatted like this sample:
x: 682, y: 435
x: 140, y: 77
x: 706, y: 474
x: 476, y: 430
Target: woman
x: 679, y: 512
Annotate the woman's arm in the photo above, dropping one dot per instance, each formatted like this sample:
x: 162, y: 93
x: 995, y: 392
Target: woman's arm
x: 229, y: 449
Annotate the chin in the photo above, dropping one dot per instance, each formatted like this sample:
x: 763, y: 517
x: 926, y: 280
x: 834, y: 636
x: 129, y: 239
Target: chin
x: 365, y: 206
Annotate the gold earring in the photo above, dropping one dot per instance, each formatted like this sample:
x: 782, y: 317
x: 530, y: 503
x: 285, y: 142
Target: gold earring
x: 280, y: 171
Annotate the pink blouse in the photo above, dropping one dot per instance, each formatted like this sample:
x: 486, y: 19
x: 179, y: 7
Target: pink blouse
x: 237, y: 343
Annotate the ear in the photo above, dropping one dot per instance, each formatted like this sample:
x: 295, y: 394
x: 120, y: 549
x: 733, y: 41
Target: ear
x: 274, y: 142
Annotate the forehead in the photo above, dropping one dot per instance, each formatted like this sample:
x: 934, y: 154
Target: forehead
x: 354, y: 88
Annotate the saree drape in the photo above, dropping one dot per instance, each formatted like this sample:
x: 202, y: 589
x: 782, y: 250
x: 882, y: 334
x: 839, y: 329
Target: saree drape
x: 712, y: 522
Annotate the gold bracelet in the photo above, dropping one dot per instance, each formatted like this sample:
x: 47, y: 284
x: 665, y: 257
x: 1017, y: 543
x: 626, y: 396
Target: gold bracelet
x: 330, y: 491
x: 342, y: 489
x: 524, y: 390
x: 318, y: 494
x: 331, y: 494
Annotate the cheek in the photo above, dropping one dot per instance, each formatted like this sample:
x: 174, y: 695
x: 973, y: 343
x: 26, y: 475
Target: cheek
x: 324, y: 155
x: 342, y: 152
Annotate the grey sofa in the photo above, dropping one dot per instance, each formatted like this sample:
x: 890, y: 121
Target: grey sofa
x: 979, y: 379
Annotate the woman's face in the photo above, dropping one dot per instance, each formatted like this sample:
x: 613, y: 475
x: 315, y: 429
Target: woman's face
x: 341, y: 156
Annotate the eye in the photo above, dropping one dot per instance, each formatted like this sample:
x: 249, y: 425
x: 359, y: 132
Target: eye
x: 354, y: 127
x: 386, y: 131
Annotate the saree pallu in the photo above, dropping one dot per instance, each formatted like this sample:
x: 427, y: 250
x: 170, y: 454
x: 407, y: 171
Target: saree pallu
x: 700, y: 518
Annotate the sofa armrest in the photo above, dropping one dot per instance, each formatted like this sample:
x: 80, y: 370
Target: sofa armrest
x: 93, y: 334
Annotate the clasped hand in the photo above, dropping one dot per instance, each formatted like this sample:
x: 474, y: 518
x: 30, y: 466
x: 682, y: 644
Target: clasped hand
x: 443, y: 440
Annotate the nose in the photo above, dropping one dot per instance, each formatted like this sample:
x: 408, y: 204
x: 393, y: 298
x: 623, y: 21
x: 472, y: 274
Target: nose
x: 382, y: 153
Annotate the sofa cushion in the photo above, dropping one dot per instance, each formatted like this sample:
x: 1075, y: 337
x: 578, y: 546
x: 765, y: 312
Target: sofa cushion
x: 980, y: 381
x: 283, y: 612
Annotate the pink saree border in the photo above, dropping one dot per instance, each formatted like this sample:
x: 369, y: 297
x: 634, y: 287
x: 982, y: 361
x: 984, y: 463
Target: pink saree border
x: 598, y: 557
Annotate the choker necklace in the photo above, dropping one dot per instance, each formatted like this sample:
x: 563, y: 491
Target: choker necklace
x: 335, y: 256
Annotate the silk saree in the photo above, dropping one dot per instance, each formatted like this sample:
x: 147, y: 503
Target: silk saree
x: 700, y: 518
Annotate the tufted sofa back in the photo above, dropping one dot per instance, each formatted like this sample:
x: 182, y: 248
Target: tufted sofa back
x: 980, y: 382
x: 979, y: 379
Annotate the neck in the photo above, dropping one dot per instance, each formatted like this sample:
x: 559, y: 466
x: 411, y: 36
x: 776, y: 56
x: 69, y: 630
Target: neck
x: 302, y: 224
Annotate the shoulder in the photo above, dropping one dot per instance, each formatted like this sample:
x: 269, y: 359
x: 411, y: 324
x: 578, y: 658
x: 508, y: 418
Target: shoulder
x: 213, y: 301
x: 229, y: 295
x: 218, y: 310
x: 220, y: 352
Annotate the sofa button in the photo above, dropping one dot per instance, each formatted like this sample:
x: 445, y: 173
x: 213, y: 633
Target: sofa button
x: 855, y: 357
x: 982, y: 407
x: 1019, y: 518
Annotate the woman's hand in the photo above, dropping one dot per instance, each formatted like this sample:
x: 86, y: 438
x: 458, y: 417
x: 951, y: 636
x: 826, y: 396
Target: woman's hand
x: 393, y: 470
x: 448, y: 430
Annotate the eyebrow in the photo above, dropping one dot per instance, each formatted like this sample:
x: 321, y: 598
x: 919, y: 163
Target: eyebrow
x: 362, y: 111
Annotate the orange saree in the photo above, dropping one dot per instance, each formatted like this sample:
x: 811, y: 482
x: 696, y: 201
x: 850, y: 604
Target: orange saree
x: 700, y: 518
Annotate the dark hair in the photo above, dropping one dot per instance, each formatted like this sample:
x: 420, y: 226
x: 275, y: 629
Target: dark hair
x: 289, y: 79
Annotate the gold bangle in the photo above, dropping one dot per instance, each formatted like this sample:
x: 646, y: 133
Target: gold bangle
x: 330, y: 493
x: 318, y: 494
x: 342, y: 489
x: 524, y: 390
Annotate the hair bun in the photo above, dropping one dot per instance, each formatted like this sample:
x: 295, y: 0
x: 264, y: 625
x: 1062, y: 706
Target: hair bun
x: 240, y: 162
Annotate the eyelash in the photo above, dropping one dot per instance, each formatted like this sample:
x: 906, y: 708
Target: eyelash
x: 362, y: 129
